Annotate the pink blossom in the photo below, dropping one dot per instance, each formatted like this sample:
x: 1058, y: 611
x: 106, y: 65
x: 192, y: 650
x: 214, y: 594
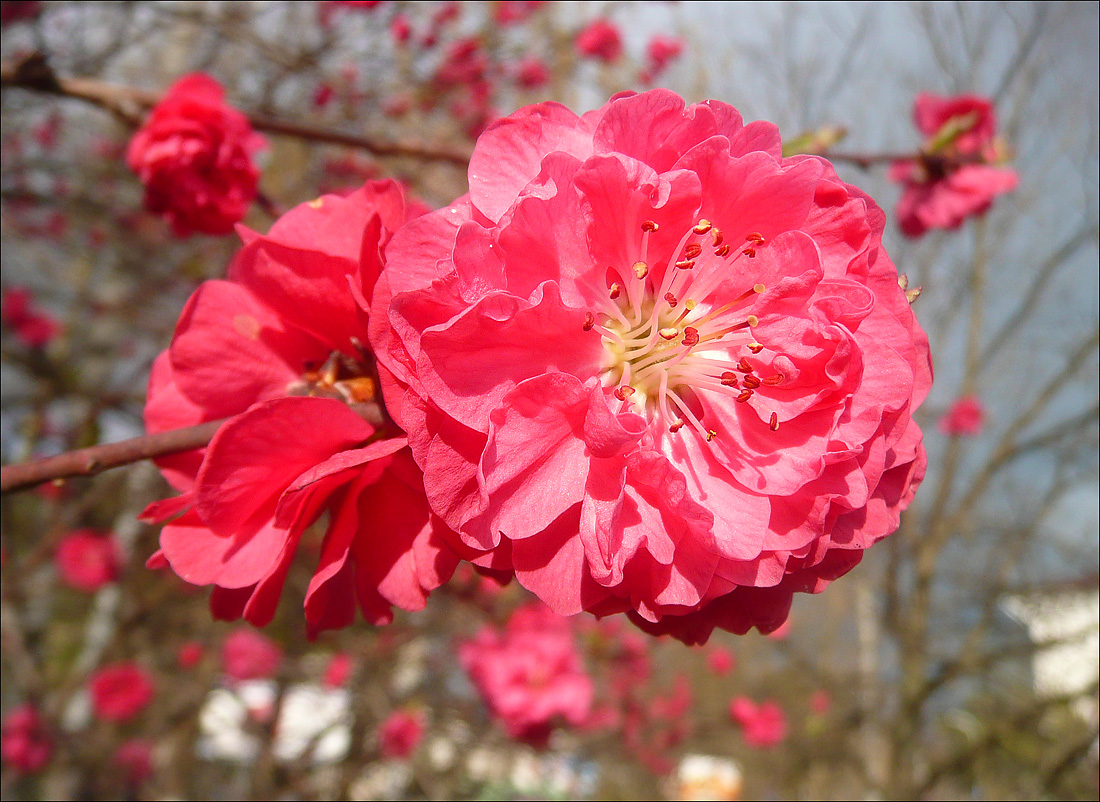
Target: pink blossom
x: 530, y: 675
x: 190, y: 654
x: 120, y: 691
x: 135, y: 759
x: 958, y: 174
x: 600, y: 39
x: 720, y: 661
x: 246, y: 654
x: 401, y: 733
x: 763, y: 725
x: 31, y: 325
x: 338, y: 671
x: 965, y: 417
x: 400, y: 29
x: 532, y: 73
x: 662, y: 50
x: 194, y: 156
x: 280, y: 349
x: 651, y: 366
x: 510, y: 12
x: 25, y: 742
x: 87, y: 559
x: 821, y: 702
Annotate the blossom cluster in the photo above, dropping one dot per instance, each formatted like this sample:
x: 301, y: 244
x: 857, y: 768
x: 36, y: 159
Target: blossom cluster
x: 647, y: 365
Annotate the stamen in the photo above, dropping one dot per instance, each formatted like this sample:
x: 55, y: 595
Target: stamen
x: 745, y: 396
x: 677, y: 426
x: 649, y: 226
x: 756, y: 348
x: 616, y: 290
x: 755, y: 238
x: 752, y: 382
x: 672, y: 300
x: 641, y: 269
x: 702, y: 227
x: 669, y: 333
x: 729, y: 379
x: 722, y: 251
x: 773, y: 424
x: 717, y: 234
x: 623, y: 392
x: 749, y: 252
x: 589, y: 321
x: 691, y: 337
x: 711, y: 434
x: 685, y: 264
x: 772, y: 381
x: 744, y: 366
x: 692, y: 250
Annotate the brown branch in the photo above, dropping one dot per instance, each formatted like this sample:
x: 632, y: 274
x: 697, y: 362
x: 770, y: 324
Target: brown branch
x: 34, y: 73
x: 90, y: 461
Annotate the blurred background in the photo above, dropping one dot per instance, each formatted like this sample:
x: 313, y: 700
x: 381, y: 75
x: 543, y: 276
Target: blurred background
x: 959, y: 660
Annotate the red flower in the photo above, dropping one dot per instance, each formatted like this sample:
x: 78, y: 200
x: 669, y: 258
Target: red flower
x: 965, y: 417
x: 25, y: 742
x: 135, y: 759
x: 957, y: 175
x: 530, y: 675
x: 653, y: 366
x: 281, y: 347
x: 194, y: 156
x: 762, y: 725
x: 33, y: 327
x: 600, y: 40
x: 509, y: 12
x: 401, y: 733
x: 190, y: 654
x: 720, y: 661
x: 660, y: 51
x: 120, y: 691
x: 87, y: 560
x: 246, y: 654
x: 338, y: 671
x: 532, y: 72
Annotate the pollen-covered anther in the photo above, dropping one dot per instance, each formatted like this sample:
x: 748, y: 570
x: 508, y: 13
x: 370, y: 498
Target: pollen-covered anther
x: 744, y: 396
x: 672, y: 299
x: 669, y: 333
x: 702, y: 227
x: 749, y: 252
x: 752, y: 382
x: 717, y: 234
x: 756, y: 348
x: 773, y: 423
x: 729, y: 379
x: 641, y: 269
x: 649, y: 226
x: 692, y: 250
x: 722, y: 250
x: 691, y: 337
x: 744, y: 366
x: 685, y: 264
x: 623, y: 392
x: 758, y: 288
x: 753, y: 321
x: 755, y: 238
x: 589, y: 321
x: 711, y: 434
x: 772, y: 381
x: 615, y: 291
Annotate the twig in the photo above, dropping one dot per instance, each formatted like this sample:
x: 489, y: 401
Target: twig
x: 34, y: 73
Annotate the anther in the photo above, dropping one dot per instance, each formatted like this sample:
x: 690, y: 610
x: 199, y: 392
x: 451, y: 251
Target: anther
x: 753, y: 320
x: 672, y: 300
x: 615, y: 291
x: 755, y: 238
x: 691, y: 337
x: 692, y: 250
x: 722, y: 251
x: 623, y: 392
x: 752, y: 382
x: 744, y: 396
x: 744, y: 366
x: 758, y: 288
x: 677, y: 426
x: 773, y: 424
x: 717, y: 234
x: 756, y: 348
x: 649, y: 226
x: 702, y: 227
x: 589, y: 321
x: 685, y: 264
x: 670, y: 333
x: 772, y: 381
x: 689, y: 304
x: 641, y: 269
x: 729, y: 379
x: 749, y: 252
x: 711, y: 434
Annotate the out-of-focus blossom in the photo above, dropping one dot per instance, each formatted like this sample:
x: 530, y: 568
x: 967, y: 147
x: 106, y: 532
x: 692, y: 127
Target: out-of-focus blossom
x: 965, y: 418
x: 246, y: 654
x: 120, y: 691
x: 720, y: 661
x: 338, y: 671
x: 25, y: 742
x: 510, y: 12
x: 190, y: 654
x: 88, y: 559
x: 531, y: 675
x: 18, y: 10
x: 280, y: 348
x: 763, y: 725
x: 532, y: 72
x: 194, y: 156
x: 32, y: 326
x: 600, y: 40
x: 323, y: 95
x: 821, y: 702
x: 400, y: 29
x: 959, y: 172
x: 329, y: 9
x: 135, y: 759
x: 661, y: 51
x: 401, y: 733
x: 652, y: 366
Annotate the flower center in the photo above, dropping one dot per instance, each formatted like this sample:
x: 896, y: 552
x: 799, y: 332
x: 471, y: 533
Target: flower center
x: 345, y: 378
x: 690, y: 333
